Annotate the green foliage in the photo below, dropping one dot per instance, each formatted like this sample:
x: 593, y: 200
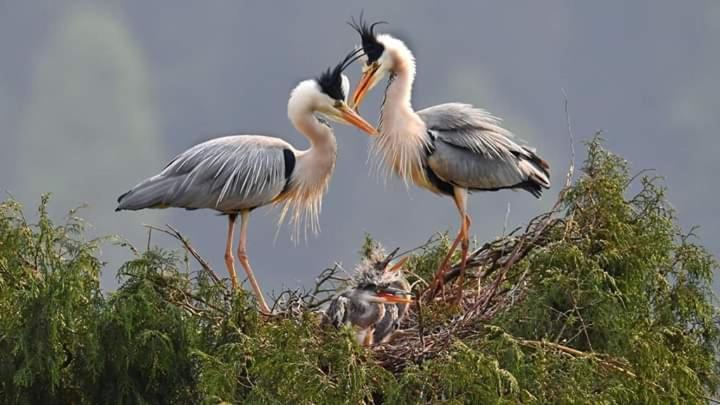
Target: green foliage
x: 616, y: 308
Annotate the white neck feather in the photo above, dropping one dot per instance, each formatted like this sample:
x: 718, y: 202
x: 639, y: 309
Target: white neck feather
x: 402, y: 138
x: 313, y: 169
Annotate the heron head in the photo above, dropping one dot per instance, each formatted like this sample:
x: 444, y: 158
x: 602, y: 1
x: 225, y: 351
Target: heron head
x: 327, y: 95
x: 382, y: 53
x: 383, y: 294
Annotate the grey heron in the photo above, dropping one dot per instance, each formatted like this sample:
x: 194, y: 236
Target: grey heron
x: 376, y: 300
x: 363, y: 306
x: 450, y: 149
x: 394, y: 313
x: 236, y: 174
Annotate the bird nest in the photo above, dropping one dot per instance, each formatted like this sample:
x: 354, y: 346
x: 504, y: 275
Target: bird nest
x: 491, y: 284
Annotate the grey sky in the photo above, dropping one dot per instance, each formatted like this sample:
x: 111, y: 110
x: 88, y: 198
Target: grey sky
x: 94, y: 96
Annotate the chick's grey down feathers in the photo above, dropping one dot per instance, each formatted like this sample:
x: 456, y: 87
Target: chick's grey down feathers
x: 394, y: 313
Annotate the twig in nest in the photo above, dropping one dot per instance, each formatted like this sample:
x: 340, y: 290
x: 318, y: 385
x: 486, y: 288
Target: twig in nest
x: 177, y: 235
x: 434, y: 238
x: 421, y: 324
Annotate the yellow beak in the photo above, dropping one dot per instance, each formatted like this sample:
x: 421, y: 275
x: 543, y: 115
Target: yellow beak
x: 351, y: 117
x: 363, y: 86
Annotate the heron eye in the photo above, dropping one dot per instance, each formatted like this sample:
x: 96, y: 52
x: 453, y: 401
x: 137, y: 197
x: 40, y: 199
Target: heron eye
x: 338, y: 103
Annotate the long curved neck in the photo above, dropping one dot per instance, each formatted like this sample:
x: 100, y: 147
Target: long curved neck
x: 319, y: 135
x: 313, y: 168
x: 403, y: 141
x: 397, y: 105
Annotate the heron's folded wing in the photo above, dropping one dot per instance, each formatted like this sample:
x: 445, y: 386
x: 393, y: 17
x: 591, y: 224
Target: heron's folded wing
x: 472, y: 128
x: 474, y: 151
x: 227, y: 174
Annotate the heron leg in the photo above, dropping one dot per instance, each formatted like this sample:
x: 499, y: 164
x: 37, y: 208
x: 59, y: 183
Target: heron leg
x: 464, y: 247
x: 368, y: 340
x: 439, y: 279
x: 460, y: 198
x: 229, y: 259
x: 243, y: 258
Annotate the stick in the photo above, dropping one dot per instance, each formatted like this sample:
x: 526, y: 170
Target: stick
x: 177, y: 235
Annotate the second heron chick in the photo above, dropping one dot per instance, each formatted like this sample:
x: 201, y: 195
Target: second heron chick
x: 363, y: 306
x: 394, y: 313
x: 376, y: 301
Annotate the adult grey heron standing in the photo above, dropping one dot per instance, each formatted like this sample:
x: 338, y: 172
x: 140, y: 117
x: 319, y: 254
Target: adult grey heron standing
x: 449, y: 149
x: 236, y: 174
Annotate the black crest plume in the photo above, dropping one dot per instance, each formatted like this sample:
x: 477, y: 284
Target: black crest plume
x: 330, y: 81
x: 372, y: 47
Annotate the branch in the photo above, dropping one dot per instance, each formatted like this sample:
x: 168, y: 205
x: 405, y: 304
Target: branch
x: 609, y: 364
x: 177, y: 235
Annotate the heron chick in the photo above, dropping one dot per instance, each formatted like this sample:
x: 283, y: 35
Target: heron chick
x: 376, y: 301
x: 394, y: 313
x: 362, y: 307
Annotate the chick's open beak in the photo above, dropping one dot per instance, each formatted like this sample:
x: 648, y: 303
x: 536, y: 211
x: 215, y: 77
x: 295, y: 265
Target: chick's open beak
x: 364, y: 85
x: 351, y: 117
x: 399, y: 265
x: 395, y: 296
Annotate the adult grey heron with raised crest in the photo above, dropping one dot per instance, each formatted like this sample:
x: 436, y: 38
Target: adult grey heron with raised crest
x: 236, y: 174
x: 450, y: 149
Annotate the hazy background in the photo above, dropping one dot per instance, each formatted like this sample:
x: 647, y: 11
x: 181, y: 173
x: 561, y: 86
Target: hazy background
x: 95, y: 96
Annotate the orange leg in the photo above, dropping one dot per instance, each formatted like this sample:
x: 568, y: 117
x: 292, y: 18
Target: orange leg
x: 465, y: 245
x: 229, y: 259
x: 439, y: 278
x: 368, y: 341
x: 460, y: 197
x: 243, y: 258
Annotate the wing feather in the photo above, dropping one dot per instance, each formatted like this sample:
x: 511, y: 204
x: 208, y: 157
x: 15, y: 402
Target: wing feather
x: 336, y: 313
x: 227, y: 174
x: 473, y: 151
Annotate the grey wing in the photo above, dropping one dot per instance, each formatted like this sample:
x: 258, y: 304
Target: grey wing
x: 473, y: 151
x: 388, y: 324
x: 228, y: 174
x: 336, y: 313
